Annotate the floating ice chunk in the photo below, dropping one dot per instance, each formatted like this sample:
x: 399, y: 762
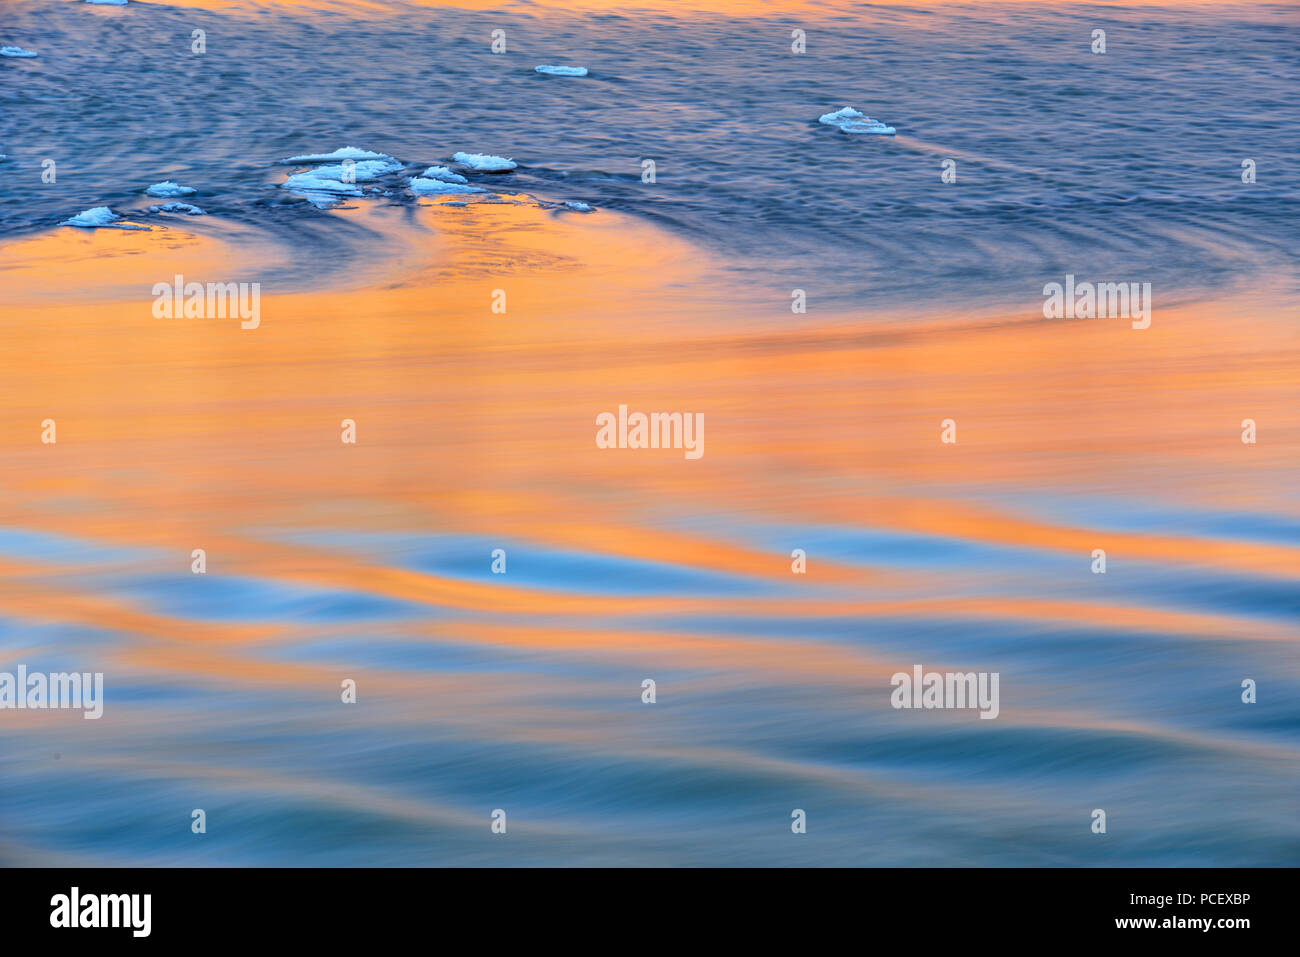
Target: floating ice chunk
x: 92, y: 218
x: 440, y: 187
x: 98, y: 217
x: 444, y: 174
x: 563, y: 70
x: 168, y: 188
x: 485, y: 163
x: 312, y: 183
x: 346, y: 152
x: 580, y: 207
x: 850, y: 120
x: 185, y: 208
x: 110, y: 3
x: 361, y: 170
x: 17, y: 52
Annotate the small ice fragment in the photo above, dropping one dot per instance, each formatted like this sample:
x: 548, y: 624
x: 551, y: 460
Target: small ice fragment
x: 439, y: 187
x: 444, y: 174
x: 485, y: 163
x: 850, y: 120
x: 185, y: 208
x: 168, y: 188
x: 17, y: 52
x: 454, y: 202
x: 346, y: 152
x: 580, y: 207
x: 563, y: 70
x: 111, y: 3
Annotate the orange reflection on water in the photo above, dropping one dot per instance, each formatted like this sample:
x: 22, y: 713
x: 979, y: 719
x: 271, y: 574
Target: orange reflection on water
x: 177, y: 433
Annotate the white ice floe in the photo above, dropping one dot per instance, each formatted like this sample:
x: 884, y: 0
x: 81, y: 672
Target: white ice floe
x: 97, y: 217
x: 17, y: 52
x: 485, y: 163
x: 563, y: 70
x: 444, y: 174
x: 580, y: 207
x: 440, y: 187
x: 850, y: 120
x: 185, y: 208
x: 361, y: 170
x: 346, y: 152
x: 312, y: 185
x: 168, y: 188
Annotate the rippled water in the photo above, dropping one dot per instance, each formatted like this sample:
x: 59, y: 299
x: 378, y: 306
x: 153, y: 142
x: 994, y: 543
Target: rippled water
x: 522, y: 691
x: 1119, y: 165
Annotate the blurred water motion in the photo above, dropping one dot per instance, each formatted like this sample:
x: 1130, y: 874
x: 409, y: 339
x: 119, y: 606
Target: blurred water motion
x: 522, y: 691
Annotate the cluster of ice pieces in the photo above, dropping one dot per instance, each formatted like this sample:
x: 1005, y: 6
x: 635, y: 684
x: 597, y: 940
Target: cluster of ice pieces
x: 441, y: 181
x: 101, y: 216
x: 850, y: 120
x: 331, y: 177
x: 330, y: 180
